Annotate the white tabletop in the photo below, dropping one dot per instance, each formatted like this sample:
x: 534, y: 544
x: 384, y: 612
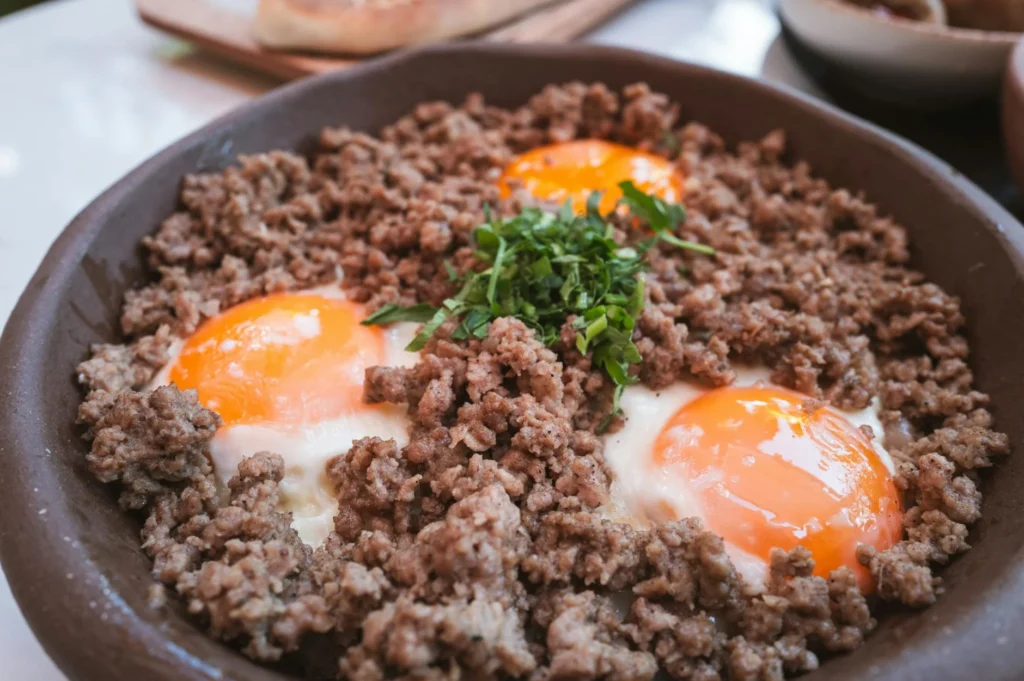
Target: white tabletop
x: 87, y: 92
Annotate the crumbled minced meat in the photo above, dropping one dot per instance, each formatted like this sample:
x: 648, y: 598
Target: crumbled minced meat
x: 476, y: 550
x: 144, y: 440
x: 238, y: 564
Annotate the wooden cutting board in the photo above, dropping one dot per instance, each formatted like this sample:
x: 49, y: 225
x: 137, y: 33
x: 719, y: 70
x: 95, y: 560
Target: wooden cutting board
x: 226, y: 33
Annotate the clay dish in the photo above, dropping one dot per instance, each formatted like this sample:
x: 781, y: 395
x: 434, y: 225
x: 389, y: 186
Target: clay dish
x: 73, y: 558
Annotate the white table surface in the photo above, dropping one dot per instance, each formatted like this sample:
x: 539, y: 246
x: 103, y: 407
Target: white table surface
x: 87, y: 92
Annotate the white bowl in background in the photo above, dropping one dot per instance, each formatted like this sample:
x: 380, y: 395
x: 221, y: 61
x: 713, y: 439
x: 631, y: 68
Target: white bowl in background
x: 897, y: 59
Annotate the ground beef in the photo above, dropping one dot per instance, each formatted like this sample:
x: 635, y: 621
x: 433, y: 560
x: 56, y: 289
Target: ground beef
x: 585, y: 639
x: 473, y: 553
x: 147, y: 439
x: 586, y: 547
x: 686, y: 645
x: 245, y: 595
x: 377, y: 486
x: 240, y: 566
x: 480, y: 549
x: 902, y: 572
x: 113, y: 368
x: 350, y: 588
x: 410, y: 640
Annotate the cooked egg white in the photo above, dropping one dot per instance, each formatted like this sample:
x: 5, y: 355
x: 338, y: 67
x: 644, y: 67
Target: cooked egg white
x: 644, y: 493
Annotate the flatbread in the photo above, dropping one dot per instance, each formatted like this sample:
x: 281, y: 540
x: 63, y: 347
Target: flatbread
x: 370, y: 26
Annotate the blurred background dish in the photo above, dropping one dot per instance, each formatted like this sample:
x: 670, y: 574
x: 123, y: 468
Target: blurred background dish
x: 240, y: 30
x: 989, y: 15
x: 927, y: 11
x: 1013, y: 113
x: 893, y: 58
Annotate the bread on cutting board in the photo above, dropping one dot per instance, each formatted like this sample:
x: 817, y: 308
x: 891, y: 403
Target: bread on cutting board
x: 369, y: 26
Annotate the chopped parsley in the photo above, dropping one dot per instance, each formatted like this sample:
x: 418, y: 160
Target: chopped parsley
x: 544, y: 268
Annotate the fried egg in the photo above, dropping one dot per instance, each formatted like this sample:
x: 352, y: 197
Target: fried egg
x: 759, y: 470
x: 285, y: 372
x: 574, y: 170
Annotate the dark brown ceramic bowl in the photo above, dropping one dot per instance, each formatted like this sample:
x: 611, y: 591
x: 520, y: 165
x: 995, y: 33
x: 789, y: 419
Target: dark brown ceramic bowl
x: 73, y: 558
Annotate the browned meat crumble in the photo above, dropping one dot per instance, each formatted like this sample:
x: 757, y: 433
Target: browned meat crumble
x: 475, y: 551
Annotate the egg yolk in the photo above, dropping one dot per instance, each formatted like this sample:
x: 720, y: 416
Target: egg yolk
x: 285, y: 358
x: 769, y: 474
x: 572, y: 170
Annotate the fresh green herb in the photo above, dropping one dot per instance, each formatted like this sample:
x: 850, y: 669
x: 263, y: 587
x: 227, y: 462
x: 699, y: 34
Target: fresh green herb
x: 544, y: 268
x: 662, y: 216
x: 432, y: 325
x: 390, y: 313
x: 659, y: 214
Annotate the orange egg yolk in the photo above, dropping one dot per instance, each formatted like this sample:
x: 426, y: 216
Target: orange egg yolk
x: 572, y: 170
x: 769, y: 474
x: 285, y: 358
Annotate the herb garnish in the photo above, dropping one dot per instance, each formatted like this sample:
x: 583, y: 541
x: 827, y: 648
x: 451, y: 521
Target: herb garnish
x: 546, y: 267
